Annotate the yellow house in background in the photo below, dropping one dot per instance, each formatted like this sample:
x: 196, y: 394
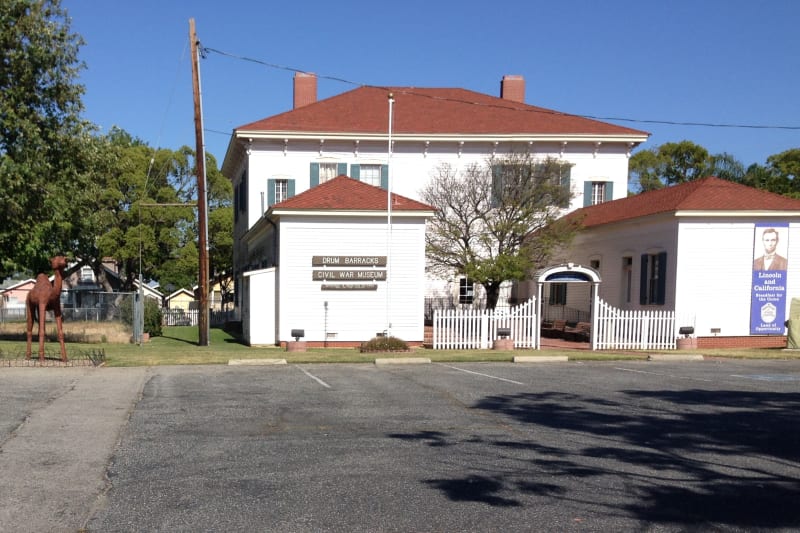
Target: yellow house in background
x: 181, y: 299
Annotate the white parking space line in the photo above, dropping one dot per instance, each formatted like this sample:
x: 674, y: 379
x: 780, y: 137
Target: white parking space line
x: 312, y: 376
x: 483, y: 375
x: 663, y: 374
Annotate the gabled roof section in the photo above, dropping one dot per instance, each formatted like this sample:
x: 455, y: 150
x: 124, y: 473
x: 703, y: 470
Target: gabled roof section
x: 706, y: 194
x: 431, y: 111
x: 343, y: 193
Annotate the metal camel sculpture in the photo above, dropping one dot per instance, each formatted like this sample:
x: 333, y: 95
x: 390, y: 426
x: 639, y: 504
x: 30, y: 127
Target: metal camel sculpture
x: 46, y: 297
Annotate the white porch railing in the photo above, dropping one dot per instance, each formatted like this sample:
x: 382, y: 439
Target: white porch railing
x: 618, y: 329
x: 475, y: 329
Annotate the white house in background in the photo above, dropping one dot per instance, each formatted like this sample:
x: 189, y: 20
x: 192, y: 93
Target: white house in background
x: 691, y: 248
x: 338, y: 270
x: 273, y: 159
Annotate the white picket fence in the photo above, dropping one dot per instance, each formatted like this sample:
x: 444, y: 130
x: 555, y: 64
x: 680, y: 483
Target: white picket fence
x: 618, y: 329
x: 190, y: 317
x: 476, y: 329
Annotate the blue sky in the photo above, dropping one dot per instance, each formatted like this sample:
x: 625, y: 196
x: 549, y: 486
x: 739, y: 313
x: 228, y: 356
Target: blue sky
x: 707, y: 61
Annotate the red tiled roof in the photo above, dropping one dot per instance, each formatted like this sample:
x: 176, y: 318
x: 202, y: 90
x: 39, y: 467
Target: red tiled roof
x: 706, y: 194
x: 431, y: 111
x: 343, y: 193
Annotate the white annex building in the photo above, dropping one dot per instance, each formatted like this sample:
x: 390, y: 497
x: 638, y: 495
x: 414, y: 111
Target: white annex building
x: 340, y: 274
x: 277, y: 158
x: 696, y: 249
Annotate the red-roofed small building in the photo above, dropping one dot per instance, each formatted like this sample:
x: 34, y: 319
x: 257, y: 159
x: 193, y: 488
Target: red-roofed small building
x: 333, y: 267
x: 272, y: 160
x: 694, y: 249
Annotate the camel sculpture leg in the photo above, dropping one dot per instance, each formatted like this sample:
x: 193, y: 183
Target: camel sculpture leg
x: 30, y: 310
x: 60, y: 328
x: 42, y: 320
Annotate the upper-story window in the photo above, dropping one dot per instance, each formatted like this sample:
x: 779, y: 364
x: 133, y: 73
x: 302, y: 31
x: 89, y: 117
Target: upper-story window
x: 371, y: 174
x: 328, y: 171
x: 281, y: 190
x: 322, y: 172
x: 597, y: 192
x: 278, y: 190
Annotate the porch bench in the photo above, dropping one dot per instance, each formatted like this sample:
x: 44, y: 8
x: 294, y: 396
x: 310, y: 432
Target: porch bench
x: 580, y: 333
x: 554, y: 329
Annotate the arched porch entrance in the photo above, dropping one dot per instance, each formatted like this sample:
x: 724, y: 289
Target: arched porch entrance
x: 569, y: 273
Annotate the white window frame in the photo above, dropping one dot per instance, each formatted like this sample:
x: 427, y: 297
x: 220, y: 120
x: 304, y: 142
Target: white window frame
x: 328, y: 171
x: 370, y: 174
x: 281, y: 190
x: 598, y: 192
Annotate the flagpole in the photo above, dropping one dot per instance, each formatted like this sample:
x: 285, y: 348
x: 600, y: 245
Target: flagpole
x: 389, y: 224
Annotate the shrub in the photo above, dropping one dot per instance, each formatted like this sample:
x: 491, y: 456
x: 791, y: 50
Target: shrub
x: 384, y: 344
x: 152, y: 315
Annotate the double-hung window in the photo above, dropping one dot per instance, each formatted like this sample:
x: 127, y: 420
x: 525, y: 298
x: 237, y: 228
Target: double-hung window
x: 327, y: 171
x: 373, y: 174
x: 653, y: 283
x: 597, y: 192
x: 278, y: 190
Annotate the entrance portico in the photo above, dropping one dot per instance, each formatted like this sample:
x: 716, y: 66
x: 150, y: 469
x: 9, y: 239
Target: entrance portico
x: 569, y: 273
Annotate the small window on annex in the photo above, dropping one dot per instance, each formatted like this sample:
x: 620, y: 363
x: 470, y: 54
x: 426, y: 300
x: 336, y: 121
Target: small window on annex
x: 558, y: 294
x: 627, y: 278
x: 652, y: 289
x: 466, y: 291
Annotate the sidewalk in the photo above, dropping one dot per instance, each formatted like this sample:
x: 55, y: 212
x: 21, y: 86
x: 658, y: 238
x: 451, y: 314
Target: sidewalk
x: 54, y: 462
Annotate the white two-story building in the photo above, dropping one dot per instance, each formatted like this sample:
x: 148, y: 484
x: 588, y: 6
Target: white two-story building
x: 273, y: 159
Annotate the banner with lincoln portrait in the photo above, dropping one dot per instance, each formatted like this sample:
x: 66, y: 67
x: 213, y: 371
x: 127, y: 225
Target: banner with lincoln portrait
x: 770, y: 263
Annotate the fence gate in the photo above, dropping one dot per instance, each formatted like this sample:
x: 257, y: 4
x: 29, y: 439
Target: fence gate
x: 476, y: 329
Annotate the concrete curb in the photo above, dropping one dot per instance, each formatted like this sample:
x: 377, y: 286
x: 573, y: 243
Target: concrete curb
x: 675, y: 357
x: 402, y: 361
x: 256, y: 362
x: 540, y: 359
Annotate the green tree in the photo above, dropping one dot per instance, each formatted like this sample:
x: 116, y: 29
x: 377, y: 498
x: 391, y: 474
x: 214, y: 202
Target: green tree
x: 121, y: 213
x: 496, y: 222
x: 669, y: 164
x: 41, y: 134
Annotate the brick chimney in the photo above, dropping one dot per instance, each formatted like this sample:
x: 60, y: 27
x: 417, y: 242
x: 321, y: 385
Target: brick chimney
x: 305, y: 89
x: 512, y: 87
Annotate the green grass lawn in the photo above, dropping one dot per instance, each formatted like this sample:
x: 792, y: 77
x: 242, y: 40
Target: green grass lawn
x: 179, y: 346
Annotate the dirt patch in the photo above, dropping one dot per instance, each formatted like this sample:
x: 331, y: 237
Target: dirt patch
x: 84, y: 331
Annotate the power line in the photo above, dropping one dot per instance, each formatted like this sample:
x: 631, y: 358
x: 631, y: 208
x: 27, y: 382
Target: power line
x: 500, y: 106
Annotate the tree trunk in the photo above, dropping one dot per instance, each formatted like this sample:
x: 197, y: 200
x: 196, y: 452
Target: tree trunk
x: 492, y: 294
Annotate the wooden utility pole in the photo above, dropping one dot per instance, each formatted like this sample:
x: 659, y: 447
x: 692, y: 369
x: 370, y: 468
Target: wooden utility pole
x: 202, y: 206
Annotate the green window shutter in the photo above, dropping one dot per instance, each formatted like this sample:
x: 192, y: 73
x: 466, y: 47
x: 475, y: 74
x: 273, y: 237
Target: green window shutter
x: 270, y: 192
x: 609, y: 191
x: 587, y: 193
x: 341, y: 169
x: 289, y: 188
x: 497, y: 184
x: 565, y: 178
x: 661, y: 297
x: 314, y: 175
x: 643, y: 281
x: 355, y: 172
x: 236, y: 203
x: 385, y: 177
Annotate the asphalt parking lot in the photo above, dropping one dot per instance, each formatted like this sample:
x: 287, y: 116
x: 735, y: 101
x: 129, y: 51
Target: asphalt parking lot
x: 623, y: 446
